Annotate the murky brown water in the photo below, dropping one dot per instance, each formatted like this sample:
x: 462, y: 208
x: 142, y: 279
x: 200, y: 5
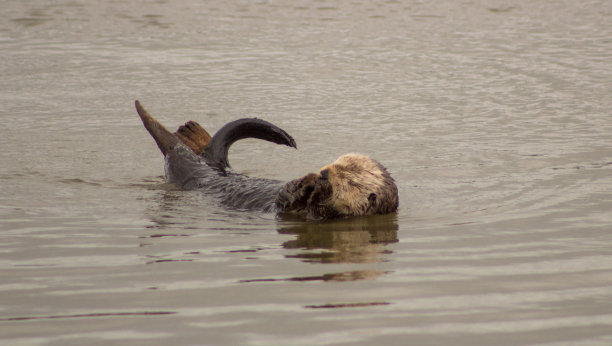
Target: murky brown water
x: 494, y: 117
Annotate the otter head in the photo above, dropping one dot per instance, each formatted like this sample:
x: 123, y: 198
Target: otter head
x: 352, y: 185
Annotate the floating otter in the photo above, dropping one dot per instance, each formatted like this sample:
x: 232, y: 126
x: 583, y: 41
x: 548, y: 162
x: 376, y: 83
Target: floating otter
x: 352, y: 185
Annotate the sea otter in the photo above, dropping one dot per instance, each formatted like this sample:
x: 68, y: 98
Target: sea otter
x: 352, y: 185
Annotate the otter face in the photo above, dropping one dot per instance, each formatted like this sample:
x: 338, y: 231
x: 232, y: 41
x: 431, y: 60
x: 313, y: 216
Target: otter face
x: 352, y: 185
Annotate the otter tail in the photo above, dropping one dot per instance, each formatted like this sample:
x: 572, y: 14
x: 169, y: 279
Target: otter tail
x: 165, y: 139
x: 216, y: 151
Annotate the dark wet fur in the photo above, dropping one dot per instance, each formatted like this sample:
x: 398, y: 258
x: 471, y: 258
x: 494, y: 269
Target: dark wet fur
x: 189, y: 171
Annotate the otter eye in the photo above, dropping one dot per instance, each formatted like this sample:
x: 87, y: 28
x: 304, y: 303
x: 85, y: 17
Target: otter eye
x: 325, y: 174
x: 372, y: 198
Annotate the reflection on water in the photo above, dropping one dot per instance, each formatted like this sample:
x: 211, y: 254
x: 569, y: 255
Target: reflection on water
x: 352, y: 240
x: 165, y: 204
x: 108, y: 314
x: 492, y: 116
x: 345, y: 276
x: 347, y: 305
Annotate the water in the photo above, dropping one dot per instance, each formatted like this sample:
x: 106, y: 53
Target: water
x: 493, y: 117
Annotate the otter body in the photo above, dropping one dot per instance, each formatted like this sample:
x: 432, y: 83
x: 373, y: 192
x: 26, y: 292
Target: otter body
x: 352, y: 185
x: 188, y: 171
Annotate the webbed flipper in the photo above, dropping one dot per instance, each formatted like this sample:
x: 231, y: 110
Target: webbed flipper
x: 216, y: 152
x: 165, y: 140
x: 194, y: 136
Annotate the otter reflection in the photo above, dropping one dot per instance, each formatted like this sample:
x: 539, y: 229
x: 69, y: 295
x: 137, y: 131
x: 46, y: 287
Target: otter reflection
x: 354, y: 240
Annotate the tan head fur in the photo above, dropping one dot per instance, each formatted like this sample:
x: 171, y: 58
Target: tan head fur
x: 352, y: 185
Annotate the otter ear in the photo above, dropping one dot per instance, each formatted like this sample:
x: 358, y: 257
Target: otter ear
x: 372, y: 198
x: 325, y: 174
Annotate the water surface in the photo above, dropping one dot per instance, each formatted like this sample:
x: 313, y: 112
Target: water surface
x: 494, y: 118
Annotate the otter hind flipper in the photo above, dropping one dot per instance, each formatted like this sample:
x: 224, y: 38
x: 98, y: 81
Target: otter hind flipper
x: 218, y: 148
x: 194, y: 136
x: 165, y: 139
